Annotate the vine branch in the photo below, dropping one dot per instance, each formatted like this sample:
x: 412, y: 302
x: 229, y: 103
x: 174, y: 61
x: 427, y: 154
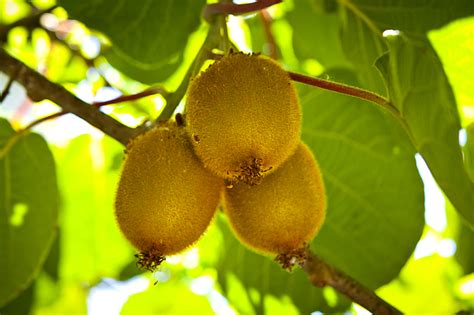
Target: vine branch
x: 321, y: 274
x: 39, y: 88
x: 236, y: 9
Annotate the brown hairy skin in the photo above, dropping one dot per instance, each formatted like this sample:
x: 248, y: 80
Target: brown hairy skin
x: 244, y: 117
x: 165, y: 198
x: 282, y: 214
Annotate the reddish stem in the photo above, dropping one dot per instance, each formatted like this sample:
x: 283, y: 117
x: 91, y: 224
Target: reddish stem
x: 345, y: 89
x: 125, y: 98
x: 236, y: 9
x: 133, y: 97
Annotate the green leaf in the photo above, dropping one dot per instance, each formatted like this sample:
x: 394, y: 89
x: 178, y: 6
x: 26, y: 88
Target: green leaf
x: 148, y: 38
x: 170, y: 297
x: 468, y: 151
x: 375, y: 212
x: 256, y: 272
x: 28, y: 211
x: 411, y: 16
x: 363, y: 23
x: 418, y: 87
x: 362, y: 43
x: 92, y: 245
x: 453, y: 43
x: 316, y: 34
x: 465, y: 240
x: 465, y: 249
x: 51, y: 265
x: 425, y: 286
x: 21, y: 304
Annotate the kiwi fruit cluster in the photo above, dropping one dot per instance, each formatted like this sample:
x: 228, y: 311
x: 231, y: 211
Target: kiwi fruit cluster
x: 239, y: 146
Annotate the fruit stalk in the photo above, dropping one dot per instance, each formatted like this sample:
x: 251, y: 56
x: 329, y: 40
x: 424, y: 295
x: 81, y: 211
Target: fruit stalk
x: 322, y: 274
x: 346, y: 89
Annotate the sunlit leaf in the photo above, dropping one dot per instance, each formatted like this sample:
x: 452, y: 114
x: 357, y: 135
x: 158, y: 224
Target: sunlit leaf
x: 91, y: 243
x: 375, y: 195
x: 29, y: 205
x: 148, y: 37
x: 453, y: 43
x: 167, y: 298
x: 418, y: 87
x: 425, y: 286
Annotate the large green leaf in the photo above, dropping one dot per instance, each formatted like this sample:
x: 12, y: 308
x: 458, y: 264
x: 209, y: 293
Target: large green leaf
x: 363, y: 23
x: 28, y: 211
x: 418, y: 87
x: 256, y: 272
x: 375, y: 195
x: 148, y: 37
x: 411, y: 16
x: 362, y: 43
x: 316, y: 34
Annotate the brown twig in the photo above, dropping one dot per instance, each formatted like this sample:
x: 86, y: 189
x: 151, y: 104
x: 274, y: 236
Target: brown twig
x: 346, y: 89
x: 267, y: 27
x: 39, y: 88
x: 236, y: 9
x: 322, y: 274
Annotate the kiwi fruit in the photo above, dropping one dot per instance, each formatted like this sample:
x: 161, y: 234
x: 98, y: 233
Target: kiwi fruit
x: 244, y: 117
x: 165, y: 198
x: 284, y: 212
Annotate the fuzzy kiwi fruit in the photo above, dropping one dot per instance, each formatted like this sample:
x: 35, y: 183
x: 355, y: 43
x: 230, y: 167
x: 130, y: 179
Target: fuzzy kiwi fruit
x: 165, y: 198
x: 244, y: 117
x: 284, y: 212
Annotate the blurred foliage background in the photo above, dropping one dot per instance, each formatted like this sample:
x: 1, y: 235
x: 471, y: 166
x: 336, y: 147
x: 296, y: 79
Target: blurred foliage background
x: 60, y: 249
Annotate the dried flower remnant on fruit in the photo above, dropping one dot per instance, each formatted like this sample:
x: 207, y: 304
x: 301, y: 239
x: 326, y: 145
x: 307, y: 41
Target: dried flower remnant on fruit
x: 150, y: 259
x: 244, y: 117
x: 292, y: 258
